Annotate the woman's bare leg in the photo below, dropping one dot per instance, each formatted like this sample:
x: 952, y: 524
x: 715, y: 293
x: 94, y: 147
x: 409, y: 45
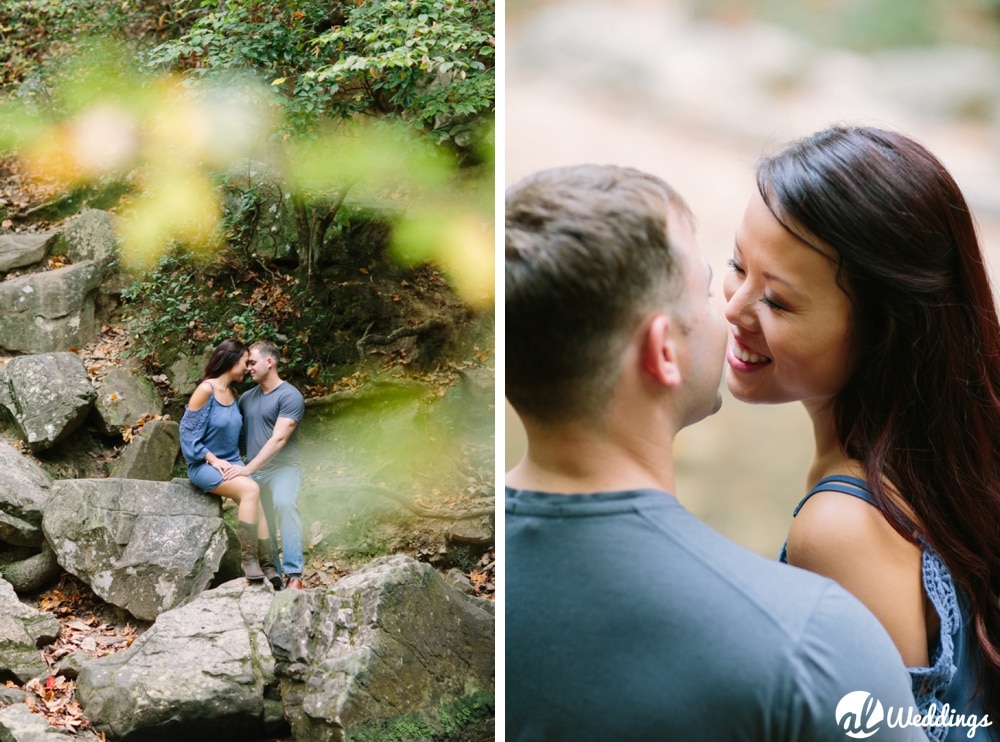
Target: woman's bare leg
x: 246, y: 493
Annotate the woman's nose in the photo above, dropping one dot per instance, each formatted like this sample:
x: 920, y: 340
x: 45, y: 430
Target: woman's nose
x: 739, y: 308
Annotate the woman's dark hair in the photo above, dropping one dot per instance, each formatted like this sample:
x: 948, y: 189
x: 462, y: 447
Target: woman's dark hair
x: 921, y: 409
x: 223, y: 358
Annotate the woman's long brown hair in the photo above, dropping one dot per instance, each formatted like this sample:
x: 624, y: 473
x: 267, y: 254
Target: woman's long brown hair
x: 921, y: 409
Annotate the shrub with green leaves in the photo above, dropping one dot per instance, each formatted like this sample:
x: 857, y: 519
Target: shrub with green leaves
x: 428, y: 63
x: 186, y: 306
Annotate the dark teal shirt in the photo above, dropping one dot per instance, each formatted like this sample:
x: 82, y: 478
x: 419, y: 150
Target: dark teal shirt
x: 260, y: 413
x: 628, y: 619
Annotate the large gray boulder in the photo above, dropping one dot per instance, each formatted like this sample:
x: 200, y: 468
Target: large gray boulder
x: 186, y: 371
x: 202, y: 671
x: 22, y: 631
x: 24, y: 490
x: 47, y: 396
x: 21, y: 250
x: 391, y: 640
x: 90, y: 236
x: 123, y: 397
x: 151, y: 453
x: 144, y: 546
x: 49, y: 311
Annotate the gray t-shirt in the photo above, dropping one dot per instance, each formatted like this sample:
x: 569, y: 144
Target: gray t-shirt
x: 628, y: 619
x: 261, y: 412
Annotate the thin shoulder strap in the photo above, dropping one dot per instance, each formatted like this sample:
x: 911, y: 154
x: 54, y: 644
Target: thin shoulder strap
x: 211, y: 397
x: 856, y: 488
x: 839, y: 483
x: 835, y: 483
x: 843, y: 484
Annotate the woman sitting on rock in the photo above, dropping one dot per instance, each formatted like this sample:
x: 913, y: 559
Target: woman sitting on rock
x: 210, y: 434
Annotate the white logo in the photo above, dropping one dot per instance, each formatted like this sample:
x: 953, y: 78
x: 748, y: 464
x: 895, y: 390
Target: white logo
x: 859, y: 714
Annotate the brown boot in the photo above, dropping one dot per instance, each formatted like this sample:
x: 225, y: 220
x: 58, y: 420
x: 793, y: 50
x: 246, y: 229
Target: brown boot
x: 248, y: 551
x: 265, y: 556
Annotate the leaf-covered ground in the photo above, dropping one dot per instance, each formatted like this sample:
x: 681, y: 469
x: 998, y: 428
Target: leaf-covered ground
x: 90, y: 628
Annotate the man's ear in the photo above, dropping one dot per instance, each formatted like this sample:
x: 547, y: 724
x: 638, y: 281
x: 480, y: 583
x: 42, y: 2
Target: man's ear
x: 659, y: 351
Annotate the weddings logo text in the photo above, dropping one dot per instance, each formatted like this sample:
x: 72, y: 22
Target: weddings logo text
x: 860, y: 715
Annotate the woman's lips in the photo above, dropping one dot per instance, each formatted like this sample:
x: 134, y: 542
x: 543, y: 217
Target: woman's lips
x: 742, y: 358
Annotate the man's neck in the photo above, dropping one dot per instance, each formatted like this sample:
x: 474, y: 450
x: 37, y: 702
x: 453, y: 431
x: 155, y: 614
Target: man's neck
x: 568, y: 462
x: 270, y: 383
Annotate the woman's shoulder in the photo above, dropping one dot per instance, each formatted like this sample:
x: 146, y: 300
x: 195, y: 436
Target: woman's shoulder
x: 849, y: 540
x: 842, y: 534
x: 201, y: 395
x: 839, y: 520
x: 833, y: 524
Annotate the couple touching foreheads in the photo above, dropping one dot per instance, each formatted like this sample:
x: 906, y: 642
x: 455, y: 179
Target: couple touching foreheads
x: 245, y: 447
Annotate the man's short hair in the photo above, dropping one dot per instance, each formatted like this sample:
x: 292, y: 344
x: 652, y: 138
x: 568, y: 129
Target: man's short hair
x: 267, y: 348
x: 587, y: 255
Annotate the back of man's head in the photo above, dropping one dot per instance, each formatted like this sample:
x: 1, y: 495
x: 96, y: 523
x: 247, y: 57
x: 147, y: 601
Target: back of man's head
x: 587, y: 255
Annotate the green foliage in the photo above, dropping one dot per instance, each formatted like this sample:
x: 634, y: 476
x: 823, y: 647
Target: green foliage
x: 169, y: 147
x: 423, y: 69
x: 412, y: 728
x: 180, y: 306
x: 245, y: 34
x: 425, y: 61
x: 428, y: 63
x: 460, y: 718
x: 169, y: 307
x: 272, y: 39
x: 187, y: 304
x: 468, y: 719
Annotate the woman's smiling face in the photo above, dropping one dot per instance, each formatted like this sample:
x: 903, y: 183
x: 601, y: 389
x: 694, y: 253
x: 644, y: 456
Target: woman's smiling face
x: 791, y: 324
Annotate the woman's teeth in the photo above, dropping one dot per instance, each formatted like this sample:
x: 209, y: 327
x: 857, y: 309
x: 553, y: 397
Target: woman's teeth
x: 748, y: 356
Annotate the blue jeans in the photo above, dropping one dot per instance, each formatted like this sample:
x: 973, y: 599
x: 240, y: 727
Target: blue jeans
x: 279, y: 496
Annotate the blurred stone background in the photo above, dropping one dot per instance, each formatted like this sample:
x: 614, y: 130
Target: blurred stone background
x: 695, y: 91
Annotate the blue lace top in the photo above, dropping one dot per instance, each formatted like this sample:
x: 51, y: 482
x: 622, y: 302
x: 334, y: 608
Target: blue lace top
x: 954, y: 657
x: 212, y: 427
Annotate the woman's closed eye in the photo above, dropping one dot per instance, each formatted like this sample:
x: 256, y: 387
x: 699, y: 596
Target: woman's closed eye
x: 772, y: 303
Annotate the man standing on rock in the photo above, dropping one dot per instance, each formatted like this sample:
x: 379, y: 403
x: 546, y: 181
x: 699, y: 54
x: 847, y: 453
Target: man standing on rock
x: 272, y: 411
